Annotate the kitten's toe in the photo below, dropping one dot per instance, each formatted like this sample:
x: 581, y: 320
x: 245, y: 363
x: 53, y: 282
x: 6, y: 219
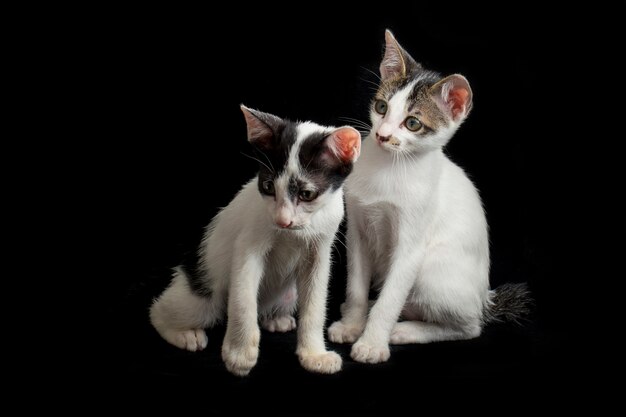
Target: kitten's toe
x: 369, y: 353
x: 339, y: 332
x: 240, y: 358
x: 324, y: 363
x: 192, y: 340
x: 402, y: 334
x: 279, y: 324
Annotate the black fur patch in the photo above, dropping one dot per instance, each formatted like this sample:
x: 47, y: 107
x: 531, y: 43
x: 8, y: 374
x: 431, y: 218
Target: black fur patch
x: 318, y: 170
x: 293, y: 188
x: 275, y: 159
x: 196, y: 277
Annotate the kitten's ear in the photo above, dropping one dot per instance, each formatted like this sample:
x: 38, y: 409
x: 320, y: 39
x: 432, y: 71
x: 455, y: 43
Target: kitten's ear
x: 262, y: 127
x: 453, y: 95
x: 344, y: 145
x: 396, y: 62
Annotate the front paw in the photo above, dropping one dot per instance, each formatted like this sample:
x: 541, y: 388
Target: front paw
x: 369, y: 353
x: 279, y: 324
x: 340, y: 332
x: 240, y: 358
x: 323, y: 363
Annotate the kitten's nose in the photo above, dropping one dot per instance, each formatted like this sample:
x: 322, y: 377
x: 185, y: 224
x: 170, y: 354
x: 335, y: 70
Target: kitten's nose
x: 285, y: 224
x: 382, y: 138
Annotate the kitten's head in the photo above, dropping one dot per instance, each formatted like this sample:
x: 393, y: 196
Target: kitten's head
x: 416, y: 110
x: 301, y: 164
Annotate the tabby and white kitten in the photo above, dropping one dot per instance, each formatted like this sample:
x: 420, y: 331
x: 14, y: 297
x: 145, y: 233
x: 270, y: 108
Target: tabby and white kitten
x: 270, y: 246
x: 416, y: 226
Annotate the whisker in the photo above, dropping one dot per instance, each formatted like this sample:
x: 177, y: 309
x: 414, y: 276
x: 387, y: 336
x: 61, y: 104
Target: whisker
x: 357, y: 123
x: 307, y: 166
x: 258, y: 160
x: 268, y: 159
x: 363, y: 129
x: 338, y: 252
x: 371, y: 83
x: 372, y: 72
x: 353, y: 120
x: 344, y: 238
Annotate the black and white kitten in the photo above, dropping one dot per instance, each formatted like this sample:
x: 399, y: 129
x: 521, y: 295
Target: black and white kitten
x: 270, y: 247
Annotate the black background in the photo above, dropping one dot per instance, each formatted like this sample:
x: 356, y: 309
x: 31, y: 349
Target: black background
x: 168, y: 152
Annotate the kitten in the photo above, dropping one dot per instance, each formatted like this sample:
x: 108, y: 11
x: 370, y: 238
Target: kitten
x: 270, y: 247
x: 416, y: 225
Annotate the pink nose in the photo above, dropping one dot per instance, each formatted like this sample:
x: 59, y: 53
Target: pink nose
x: 284, y: 223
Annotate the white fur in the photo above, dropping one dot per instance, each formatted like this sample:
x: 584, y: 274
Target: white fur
x: 395, y: 113
x: 255, y: 267
x: 416, y: 225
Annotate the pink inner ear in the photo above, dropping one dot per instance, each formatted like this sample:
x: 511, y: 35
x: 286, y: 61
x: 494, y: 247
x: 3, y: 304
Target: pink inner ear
x: 258, y: 132
x: 347, y: 143
x: 458, y: 98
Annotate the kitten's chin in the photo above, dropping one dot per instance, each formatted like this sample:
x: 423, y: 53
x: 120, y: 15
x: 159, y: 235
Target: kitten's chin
x: 389, y: 148
x: 290, y: 229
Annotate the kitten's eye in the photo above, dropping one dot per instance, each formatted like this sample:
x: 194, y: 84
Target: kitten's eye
x: 413, y: 124
x: 380, y: 106
x: 268, y: 187
x: 307, y: 195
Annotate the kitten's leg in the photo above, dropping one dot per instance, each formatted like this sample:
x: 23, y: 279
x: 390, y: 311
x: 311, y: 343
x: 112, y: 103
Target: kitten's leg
x: 240, y: 349
x: 373, y: 345
x: 457, y: 317
x: 180, y: 316
x: 406, y: 332
x: 281, y: 318
x: 312, y: 290
x: 354, y: 310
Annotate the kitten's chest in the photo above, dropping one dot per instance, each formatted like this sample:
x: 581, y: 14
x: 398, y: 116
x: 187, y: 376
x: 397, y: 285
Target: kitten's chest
x: 379, y: 225
x: 285, y: 248
x: 284, y: 256
x: 392, y: 187
x: 379, y: 219
x: 404, y: 181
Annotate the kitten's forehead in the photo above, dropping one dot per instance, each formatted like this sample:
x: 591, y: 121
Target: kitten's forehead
x: 293, y: 139
x: 412, y: 95
x: 310, y: 130
x: 421, y: 79
x: 307, y: 134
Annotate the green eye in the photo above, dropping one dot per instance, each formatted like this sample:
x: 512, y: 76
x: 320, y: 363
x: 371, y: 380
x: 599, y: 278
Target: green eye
x: 380, y: 106
x: 413, y: 124
x: 307, y: 195
x: 268, y: 187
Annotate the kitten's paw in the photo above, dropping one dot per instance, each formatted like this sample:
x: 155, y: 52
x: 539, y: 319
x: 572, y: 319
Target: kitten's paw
x: 240, y: 358
x: 192, y: 340
x: 339, y: 332
x: 402, y: 334
x: 279, y: 324
x: 323, y: 363
x: 368, y: 353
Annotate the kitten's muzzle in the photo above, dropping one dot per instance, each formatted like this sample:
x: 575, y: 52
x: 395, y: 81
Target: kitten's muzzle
x: 284, y: 224
x: 389, y: 141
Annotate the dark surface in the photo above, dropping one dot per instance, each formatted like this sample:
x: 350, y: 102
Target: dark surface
x: 172, y: 141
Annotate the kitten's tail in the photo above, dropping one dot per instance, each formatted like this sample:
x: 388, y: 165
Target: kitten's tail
x: 509, y: 302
